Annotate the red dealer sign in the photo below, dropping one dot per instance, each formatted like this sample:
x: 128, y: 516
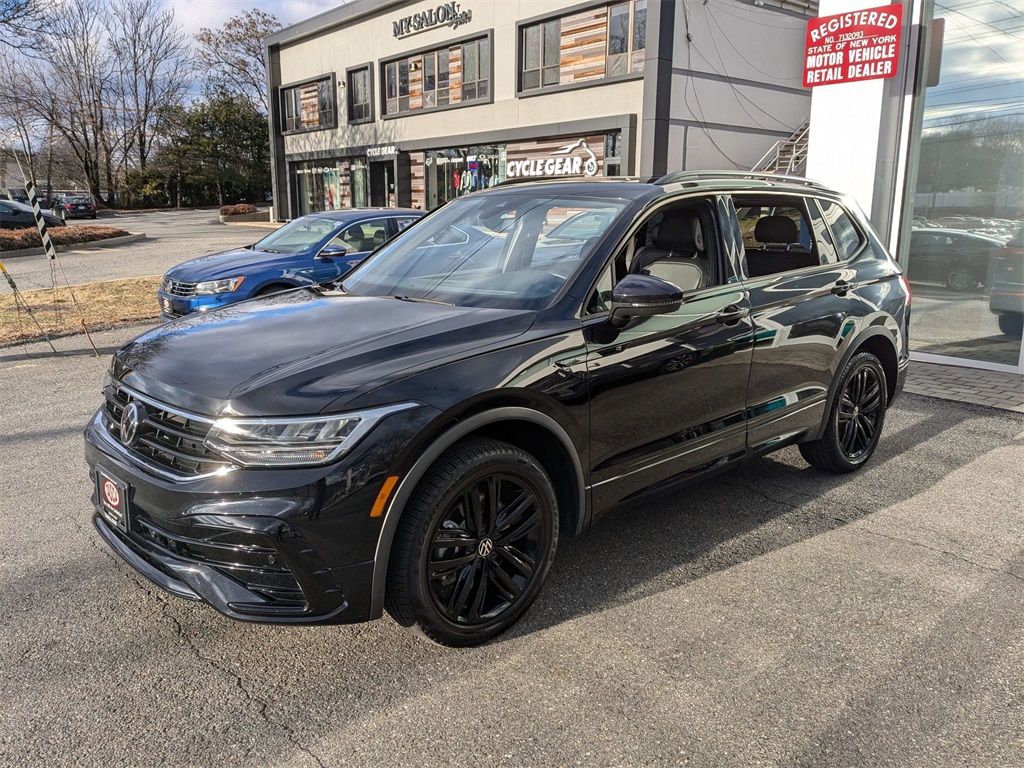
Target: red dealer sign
x: 847, y: 47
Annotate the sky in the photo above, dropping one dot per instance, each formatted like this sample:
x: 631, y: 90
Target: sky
x: 193, y: 15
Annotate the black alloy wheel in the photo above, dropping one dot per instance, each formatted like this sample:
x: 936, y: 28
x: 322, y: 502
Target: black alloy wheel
x: 475, y: 544
x: 961, y: 278
x: 855, y: 418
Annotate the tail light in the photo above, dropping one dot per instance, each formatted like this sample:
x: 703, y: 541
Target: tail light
x: 906, y: 286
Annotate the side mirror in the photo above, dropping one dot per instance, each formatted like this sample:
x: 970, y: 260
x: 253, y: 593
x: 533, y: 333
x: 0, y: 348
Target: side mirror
x: 332, y: 250
x: 643, y: 296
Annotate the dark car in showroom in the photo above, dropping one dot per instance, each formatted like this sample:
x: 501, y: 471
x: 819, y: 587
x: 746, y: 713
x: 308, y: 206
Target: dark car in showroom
x: 17, y: 215
x: 74, y: 207
x: 955, y: 259
x: 417, y: 438
x: 311, y: 250
x: 1006, y: 297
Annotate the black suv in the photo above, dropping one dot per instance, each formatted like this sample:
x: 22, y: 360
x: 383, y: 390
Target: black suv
x: 417, y: 438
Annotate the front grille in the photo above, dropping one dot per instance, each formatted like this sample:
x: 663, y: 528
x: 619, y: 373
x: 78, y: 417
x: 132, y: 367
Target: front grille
x: 178, y: 288
x: 166, y: 437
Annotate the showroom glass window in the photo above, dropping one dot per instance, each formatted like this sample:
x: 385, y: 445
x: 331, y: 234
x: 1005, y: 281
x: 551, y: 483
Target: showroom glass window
x: 308, y: 107
x: 359, y: 95
x: 964, y: 257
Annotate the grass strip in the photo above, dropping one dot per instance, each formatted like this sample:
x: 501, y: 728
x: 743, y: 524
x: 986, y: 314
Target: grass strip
x: 103, y: 305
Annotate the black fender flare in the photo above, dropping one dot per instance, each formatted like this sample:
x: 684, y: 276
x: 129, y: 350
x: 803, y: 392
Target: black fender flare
x: 407, y: 485
x: 855, y: 346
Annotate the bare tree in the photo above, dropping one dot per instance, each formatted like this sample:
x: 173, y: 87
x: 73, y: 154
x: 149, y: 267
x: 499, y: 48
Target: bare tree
x: 233, y: 55
x: 18, y: 21
x: 151, y: 69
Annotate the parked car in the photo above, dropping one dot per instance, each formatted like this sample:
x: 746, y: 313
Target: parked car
x: 75, y: 207
x: 418, y: 438
x: 1006, y: 298
x: 15, y: 215
x: 958, y: 260
x: 311, y: 250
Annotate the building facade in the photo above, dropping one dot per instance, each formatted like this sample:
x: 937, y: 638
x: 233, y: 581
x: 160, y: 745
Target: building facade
x: 397, y: 103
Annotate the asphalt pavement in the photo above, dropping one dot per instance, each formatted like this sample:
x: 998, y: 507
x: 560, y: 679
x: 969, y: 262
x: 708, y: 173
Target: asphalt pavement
x: 774, y: 616
x: 171, y: 238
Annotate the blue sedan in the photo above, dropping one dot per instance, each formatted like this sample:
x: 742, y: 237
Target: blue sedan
x: 312, y: 250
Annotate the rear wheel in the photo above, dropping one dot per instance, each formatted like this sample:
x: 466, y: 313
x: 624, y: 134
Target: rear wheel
x: 1012, y: 324
x: 855, y: 419
x: 961, y: 278
x: 475, y: 544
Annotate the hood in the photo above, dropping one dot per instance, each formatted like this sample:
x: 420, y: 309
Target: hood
x: 238, y: 261
x: 302, y: 351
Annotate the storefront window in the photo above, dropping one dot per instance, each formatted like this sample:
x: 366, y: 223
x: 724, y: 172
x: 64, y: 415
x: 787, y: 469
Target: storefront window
x: 964, y: 258
x: 451, y: 173
x: 319, y: 186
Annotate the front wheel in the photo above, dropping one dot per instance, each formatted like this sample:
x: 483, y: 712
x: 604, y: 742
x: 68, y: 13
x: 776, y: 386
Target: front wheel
x: 855, y: 419
x: 475, y: 544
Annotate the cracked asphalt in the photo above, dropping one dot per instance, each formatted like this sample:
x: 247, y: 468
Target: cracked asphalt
x: 773, y: 616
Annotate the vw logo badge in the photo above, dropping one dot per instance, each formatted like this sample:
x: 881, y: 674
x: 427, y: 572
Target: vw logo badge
x: 132, y: 418
x: 485, y: 548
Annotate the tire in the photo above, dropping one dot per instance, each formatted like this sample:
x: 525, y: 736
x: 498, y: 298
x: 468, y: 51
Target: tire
x: 270, y: 290
x: 472, y: 587
x: 1012, y: 325
x: 855, y: 419
x: 93, y: 217
x: 961, y: 279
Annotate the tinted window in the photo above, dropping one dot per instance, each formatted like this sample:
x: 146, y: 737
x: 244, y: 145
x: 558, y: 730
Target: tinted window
x: 847, y: 237
x: 777, y: 234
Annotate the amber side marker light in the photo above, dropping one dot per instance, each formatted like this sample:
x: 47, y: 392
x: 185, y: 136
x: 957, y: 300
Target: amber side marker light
x: 382, y: 497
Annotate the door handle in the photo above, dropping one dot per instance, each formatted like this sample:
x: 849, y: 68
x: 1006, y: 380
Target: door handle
x: 841, y: 288
x: 731, y: 315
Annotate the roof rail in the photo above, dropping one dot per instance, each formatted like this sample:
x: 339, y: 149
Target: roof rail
x: 682, y: 176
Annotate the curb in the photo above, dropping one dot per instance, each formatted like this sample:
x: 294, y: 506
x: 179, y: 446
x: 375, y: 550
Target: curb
x: 110, y: 241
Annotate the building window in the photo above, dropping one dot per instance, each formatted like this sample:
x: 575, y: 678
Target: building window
x: 359, y: 96
x: 627, y: 37
x: 438, y: 78
x: 309, y: 107
x: 435, y: 79
x: 542, y: 54
x: 476, y: 69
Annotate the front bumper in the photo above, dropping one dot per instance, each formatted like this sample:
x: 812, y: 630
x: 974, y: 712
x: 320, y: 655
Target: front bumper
x: 269, y: 545
x: 172, y: 307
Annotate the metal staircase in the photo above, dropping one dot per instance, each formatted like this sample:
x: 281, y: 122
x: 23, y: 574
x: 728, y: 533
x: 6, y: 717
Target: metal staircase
x: 788, y: 156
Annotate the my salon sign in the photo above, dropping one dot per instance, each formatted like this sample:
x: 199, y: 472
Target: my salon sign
x: 443, y: 15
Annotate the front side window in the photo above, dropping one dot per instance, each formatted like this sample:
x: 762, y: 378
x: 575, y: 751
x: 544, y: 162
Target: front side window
x: 489, y: 251
x: 359, y: 95
x: 308, y: 107
x: 302, y: 235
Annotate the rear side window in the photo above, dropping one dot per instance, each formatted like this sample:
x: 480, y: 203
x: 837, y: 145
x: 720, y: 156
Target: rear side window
x: 777, y: 234
x: 845, y: 234
x: 404, y: 222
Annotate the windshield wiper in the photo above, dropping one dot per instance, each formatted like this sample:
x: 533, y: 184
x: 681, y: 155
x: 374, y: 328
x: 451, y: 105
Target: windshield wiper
x: 417, y: 300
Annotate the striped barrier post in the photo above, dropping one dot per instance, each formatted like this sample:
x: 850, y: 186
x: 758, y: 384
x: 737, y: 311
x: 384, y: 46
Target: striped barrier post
x: 40, y: 222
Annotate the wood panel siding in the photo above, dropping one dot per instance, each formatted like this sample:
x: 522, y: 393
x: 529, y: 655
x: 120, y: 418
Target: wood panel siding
x: 418, y: 181
x: 582, y: 46
x: 455, y: 74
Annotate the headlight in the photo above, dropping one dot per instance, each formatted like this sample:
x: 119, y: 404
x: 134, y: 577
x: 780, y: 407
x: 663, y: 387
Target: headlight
x: 297, y: 441
x: 219, y: 286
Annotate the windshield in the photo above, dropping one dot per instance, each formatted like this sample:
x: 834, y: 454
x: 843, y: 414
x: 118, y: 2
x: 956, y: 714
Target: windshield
x: 495, y: 250
x: 299, y: 236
